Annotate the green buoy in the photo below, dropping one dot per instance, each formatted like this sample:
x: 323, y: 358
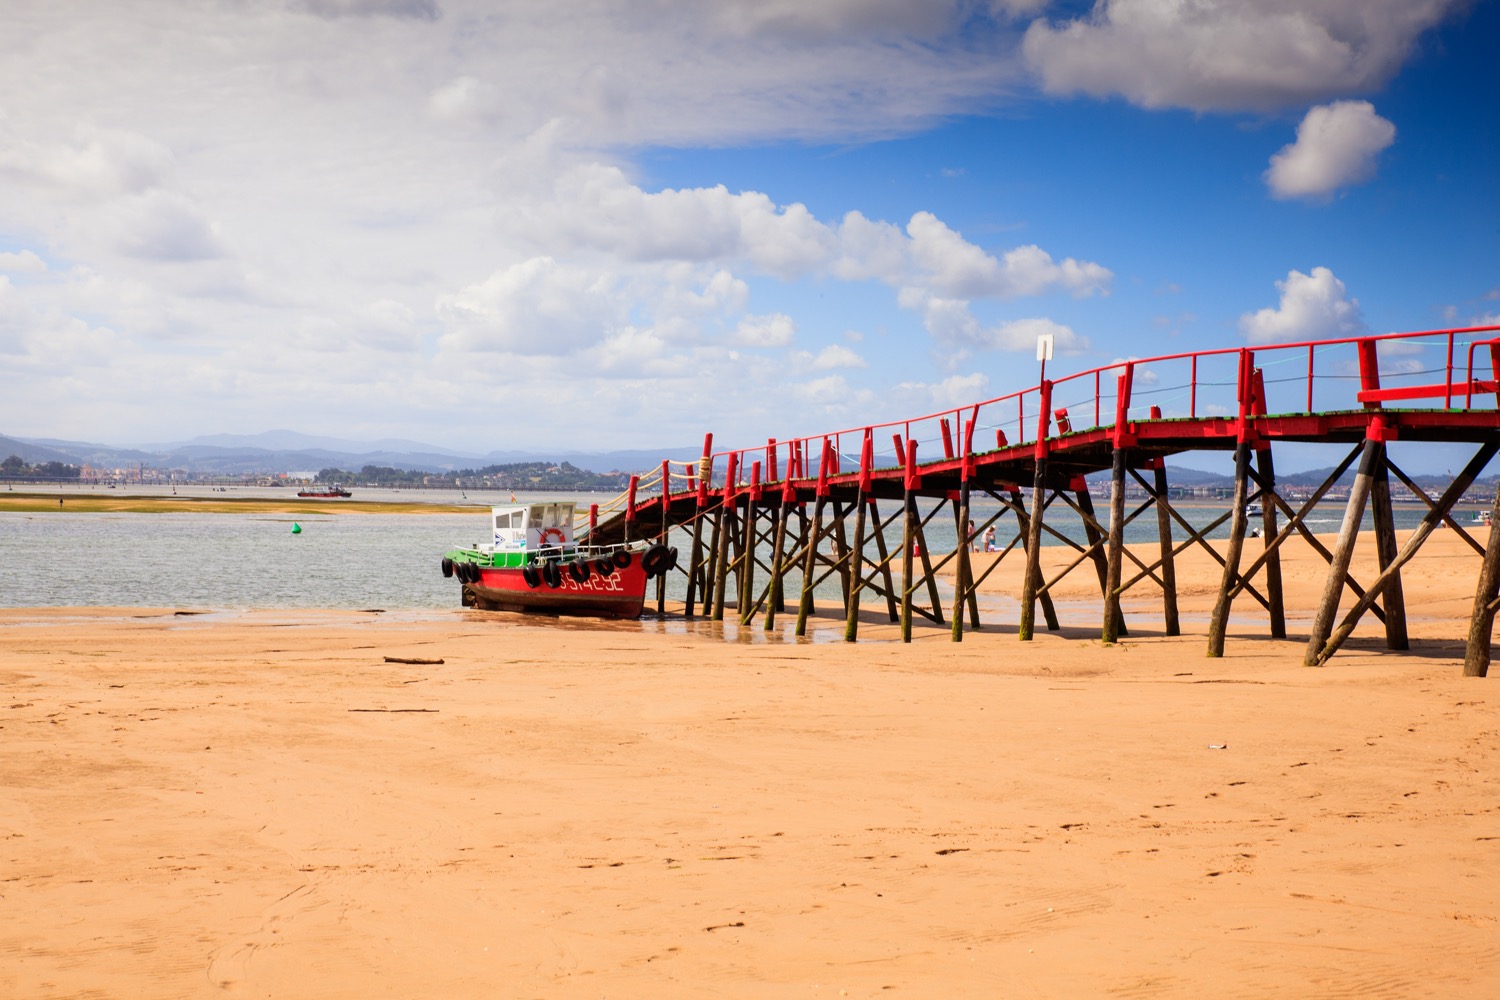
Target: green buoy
x: 296, y: 528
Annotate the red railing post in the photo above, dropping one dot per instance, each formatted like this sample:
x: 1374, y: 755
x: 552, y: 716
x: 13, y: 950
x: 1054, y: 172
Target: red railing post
x: 1123, y: 387
x: 823, y: 468
x: 630, y: 499
x: 866, y: 460
x: 968, y: 469
x: 1193, y: 391
x: 729, y: 476
x: 1448, y: 382
x: 1043, y: 419
x: 912, y: 480
x: 1369, y: 369
x: 1309, y: 378
x: 1245, y: 388
x: 947, y: 438
x: 771, y: 475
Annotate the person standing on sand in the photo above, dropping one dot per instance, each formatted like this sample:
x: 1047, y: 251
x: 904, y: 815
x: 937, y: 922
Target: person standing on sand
x: 989, y: 539
x: 973, y: 542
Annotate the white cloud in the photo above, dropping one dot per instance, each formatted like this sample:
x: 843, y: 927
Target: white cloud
x: 1313, y: 307
x: 22, y: 262
x: 164, y: 226
x: 539, y: 306
x: 1229, y: 54
x: 765, y: 331
x: 830, y: 358
x: 959, y: 333
x: 90, y: 165
x: 953, y: 266
x: 1336, y: 146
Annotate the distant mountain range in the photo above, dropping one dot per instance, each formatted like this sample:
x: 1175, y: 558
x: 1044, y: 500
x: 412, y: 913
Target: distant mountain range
x: 289, y: 451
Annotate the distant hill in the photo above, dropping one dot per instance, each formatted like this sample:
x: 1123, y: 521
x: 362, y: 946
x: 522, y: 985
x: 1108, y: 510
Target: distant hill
x: 289, y: 451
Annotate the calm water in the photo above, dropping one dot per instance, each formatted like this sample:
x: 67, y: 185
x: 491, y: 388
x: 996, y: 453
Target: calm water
x: 389, y: 561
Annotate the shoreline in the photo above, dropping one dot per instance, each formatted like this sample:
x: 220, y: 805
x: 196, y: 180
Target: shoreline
x: 33, y: 502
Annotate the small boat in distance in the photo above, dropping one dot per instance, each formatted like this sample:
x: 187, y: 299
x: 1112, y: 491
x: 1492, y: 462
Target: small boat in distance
x: 534, y: 563
x: 324, y: 492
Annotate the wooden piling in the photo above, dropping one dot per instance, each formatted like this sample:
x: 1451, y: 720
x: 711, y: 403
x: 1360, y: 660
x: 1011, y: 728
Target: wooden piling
x: 856, y: 572
x: 1168, y: 557
x: 1266, y: 467
x: 1032, y: 581
x: 810, y: 566
x: 1482, y: 621
x: 908, y: 537
x: 1112, y: 617
x: 1218, y: 625
x: 1393, y: 599
x: 963, y: 573
x: 1343, y: 550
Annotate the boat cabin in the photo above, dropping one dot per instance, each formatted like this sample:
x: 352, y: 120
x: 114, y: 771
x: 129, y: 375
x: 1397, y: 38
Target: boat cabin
x: 532, y: 529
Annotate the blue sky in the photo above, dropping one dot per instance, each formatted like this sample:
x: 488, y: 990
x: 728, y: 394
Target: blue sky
x: 611, y: 225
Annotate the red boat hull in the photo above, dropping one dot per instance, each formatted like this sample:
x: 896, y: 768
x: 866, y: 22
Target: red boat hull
x: 621, y: 594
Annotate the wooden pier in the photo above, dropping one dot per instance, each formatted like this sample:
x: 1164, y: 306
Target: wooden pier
x: 764, y: 527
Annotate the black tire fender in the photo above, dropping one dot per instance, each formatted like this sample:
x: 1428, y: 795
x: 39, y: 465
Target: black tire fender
x: 621, y: 558
x: 447, y: 567
x: 604, y: 566
x: 654, y: 562
x: 578, y: 569
x: 551, y: 575
x: 531, y: 576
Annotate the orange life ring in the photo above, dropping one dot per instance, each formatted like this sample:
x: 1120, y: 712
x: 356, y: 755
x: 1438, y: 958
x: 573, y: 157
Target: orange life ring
x: 549, y: 532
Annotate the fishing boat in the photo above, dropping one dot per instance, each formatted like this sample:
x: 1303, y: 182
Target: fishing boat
x: 535, y: 563
x: 325, y: 492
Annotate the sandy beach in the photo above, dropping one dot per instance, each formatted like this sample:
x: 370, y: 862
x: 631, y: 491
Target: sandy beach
x: 262, y: 804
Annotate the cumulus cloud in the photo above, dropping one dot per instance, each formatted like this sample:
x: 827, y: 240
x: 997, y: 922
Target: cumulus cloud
x: 540, y: 306
x: 1313, y: 306
x: 953, y: 266
x: 165, y: 226
x: 765, y: 331
x: 830, y: 358
x: 91, y: 165
x: 22, y: 262
x: 960, y: 333
x: 1336, y: 146
x: 1216, y: 55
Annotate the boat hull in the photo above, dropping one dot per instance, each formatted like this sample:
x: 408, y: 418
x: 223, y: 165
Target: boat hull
x: 621, y: 594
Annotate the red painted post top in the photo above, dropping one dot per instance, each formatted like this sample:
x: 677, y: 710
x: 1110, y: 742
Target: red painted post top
x: 968, y: 469
x: 771, y: 475
x: 866, y: 460
x: 823, y: 468
x: 1124, y: 386
x: 947, y: 438
x: 1245, y: 388
x: 913, y: 480
x: 1043, y: 422
x: 630, y: 499
x: 1369, y: 369
x: 730, y: 476
x: 754, y: 480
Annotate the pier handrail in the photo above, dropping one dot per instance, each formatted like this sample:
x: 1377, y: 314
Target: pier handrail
x: 962, y: 422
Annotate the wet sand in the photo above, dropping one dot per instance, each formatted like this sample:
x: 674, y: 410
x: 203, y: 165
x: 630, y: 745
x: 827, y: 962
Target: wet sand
x: 260, y: 804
